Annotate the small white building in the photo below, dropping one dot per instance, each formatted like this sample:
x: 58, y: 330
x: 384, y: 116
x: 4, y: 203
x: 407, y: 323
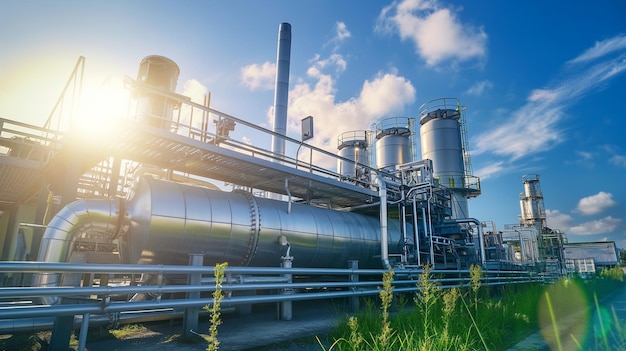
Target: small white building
x: 603, y: 253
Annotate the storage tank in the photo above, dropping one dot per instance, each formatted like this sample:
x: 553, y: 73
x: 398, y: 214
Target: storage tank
x: 441, y: 142
x: 162, y: 222
x: 160, y: 73
x: 354, y: 146
x: 394, y: 142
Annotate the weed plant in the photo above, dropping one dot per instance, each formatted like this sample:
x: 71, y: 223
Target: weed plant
x: 215, y: 308
x: 450, y: 318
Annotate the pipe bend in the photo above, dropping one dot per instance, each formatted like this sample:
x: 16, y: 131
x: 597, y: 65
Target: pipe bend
x: 84, y: 216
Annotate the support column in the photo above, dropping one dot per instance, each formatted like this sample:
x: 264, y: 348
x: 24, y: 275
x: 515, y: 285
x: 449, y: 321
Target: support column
x: 61, y: 332
x: 286, y: 312
x: 354, y: 277
x: 84, y: 329
x: 190, y: 319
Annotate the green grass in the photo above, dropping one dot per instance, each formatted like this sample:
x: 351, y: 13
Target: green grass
x: 127, y: 331
x: 470, y: 319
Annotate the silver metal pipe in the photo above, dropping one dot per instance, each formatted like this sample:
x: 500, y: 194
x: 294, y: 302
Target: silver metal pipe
x: 84, y: 327
x: 115, y: 307
x: 281, y: 91
x: 82, y: 217
x: 483, y: 257
x: 164, y: 221
x: 416, y: 237
x: 382, y: 193
x: 35, y: 267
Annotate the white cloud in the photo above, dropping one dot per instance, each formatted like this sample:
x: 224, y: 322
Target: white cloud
x: 564, y: 222
x: 381, y: 96
x: 195, y: 90
x: 531, y: 129
x: 557, y: 220
x: 600, y: 226
x: 479, y: 87
x: 543, y: 95
x: 259, y: 76
x: 601, y: 48
x: 246, y: 140
x: 490, y: 170
x: 534, y: 127
x: 618, y: 160
x: 436, y: 31
x: 386, y: 92
x: 341, y: 34
x: 595, y: 204
x: 318, y: 65
x: 342, y: 31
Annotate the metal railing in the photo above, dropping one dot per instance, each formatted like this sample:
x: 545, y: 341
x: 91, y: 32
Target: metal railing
x: 242, y: 286
x: 186, y: 122
x: 98, y: 299
x: 27, y: 141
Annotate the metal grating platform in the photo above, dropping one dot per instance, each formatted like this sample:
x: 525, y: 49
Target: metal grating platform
x: 149, y: 145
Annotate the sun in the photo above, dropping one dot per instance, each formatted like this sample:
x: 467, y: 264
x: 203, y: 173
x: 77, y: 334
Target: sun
x: 101, y: 104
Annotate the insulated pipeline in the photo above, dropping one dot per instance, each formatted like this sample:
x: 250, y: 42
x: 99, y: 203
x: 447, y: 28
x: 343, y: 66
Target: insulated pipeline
x: 163, y: 222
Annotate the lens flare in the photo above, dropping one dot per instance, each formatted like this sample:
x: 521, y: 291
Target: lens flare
x: 564, y: 315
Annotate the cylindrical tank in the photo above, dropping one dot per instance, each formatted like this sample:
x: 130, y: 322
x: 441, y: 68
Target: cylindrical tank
x: 168, y: 220
x: 162, y: 222
x: 161, y: 73
x: 394, y: 142
x: 440, y: 138
x: 354, y: 146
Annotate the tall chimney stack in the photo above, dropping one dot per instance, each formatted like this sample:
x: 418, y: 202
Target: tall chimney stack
x: 281, y: 91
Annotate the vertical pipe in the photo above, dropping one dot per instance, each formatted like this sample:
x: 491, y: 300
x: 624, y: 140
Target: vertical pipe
x: 281, y: 91
x: 286, y: 308
x: 84, y: 328
x: 384, y: 249
x: 481, y: 239
x: 354, y: 277
x: 190, y: 318
x: 405, y: 250
x: 416, y: 237
x: 430, y: 235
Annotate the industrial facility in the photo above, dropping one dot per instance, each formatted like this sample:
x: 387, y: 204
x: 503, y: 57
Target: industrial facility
x: 168, y: 184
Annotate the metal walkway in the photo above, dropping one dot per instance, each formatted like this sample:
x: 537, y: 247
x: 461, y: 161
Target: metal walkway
x: 24, y: 151
x: 21, y: 175
x: 229, y: 162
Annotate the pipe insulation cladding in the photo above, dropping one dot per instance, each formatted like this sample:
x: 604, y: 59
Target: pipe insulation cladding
x: 162, y: 222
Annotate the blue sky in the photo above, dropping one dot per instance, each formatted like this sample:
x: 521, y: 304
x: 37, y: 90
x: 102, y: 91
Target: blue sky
x: 543, y: 82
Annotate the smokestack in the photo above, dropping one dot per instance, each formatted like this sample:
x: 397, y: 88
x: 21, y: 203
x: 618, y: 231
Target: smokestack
x: 281, y: 91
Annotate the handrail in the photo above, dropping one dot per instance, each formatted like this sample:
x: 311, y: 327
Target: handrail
x: 183, y: 126
x: 406, y: 281
x: 23, y: 140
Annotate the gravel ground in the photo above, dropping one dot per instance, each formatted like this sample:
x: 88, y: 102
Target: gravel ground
x: 258, y: 331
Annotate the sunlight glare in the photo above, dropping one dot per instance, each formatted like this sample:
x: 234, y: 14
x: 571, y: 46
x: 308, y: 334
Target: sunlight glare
x: 102, y: 104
